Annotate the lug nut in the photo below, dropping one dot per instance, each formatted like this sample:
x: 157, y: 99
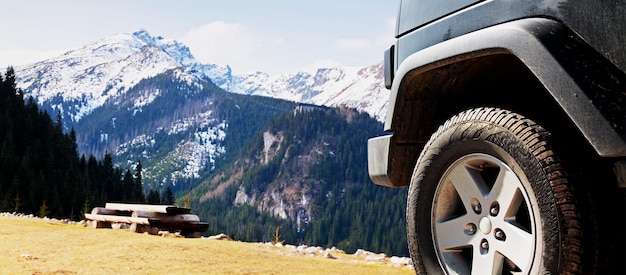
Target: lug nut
x: 484, y: 244
x: 499, y: 234
x: 477, y: 209
x: 495, y: 209
x: 470, y: 229
x: 476, y: 206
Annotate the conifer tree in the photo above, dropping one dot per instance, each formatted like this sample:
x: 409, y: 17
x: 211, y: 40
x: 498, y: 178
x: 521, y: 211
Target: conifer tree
x: 153, y: 197
x: 138, y: 187
x: 168, y: 197
x: 128, y: 186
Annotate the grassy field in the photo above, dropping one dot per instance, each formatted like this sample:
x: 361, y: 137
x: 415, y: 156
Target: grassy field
x: 30, y: 246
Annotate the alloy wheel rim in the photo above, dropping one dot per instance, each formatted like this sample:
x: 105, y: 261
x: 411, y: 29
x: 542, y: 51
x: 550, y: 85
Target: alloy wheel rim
x: 482, y: 220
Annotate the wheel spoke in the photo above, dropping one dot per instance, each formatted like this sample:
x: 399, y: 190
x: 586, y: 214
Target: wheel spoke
x: 518, y: 247
x: 506, y: 192
x: 461, y: 264
x: 451, y: 234
x: 468, y: 184
x: 489, y: 263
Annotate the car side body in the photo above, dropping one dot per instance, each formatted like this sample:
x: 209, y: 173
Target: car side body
x: 453, y: 55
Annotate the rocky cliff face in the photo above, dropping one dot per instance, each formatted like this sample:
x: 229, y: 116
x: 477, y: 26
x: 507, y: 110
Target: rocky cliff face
x: 283, y: 194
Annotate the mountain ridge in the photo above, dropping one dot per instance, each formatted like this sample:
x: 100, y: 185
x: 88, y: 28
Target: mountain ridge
x: 90, y: 75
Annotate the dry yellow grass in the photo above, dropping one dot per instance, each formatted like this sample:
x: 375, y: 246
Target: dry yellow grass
x: 30, y: 246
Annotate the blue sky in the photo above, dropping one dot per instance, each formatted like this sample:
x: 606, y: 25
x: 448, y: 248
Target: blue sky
x: 274, y: 36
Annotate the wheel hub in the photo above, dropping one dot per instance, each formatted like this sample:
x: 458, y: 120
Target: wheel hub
x: 485, y: 225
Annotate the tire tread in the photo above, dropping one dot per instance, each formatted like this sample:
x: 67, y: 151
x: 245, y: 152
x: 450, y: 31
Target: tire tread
x: 536, y: 140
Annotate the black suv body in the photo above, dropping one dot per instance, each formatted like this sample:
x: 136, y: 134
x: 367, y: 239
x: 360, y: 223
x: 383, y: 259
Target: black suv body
x: 508, y: 121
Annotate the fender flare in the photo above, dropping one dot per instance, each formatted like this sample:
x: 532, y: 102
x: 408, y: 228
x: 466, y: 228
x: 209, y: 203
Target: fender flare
x: 540, y: 44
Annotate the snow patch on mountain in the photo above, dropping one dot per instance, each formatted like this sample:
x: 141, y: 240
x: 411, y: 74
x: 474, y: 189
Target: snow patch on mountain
x: 200, y: 120
x: 141, y: 141
x: 195, y: 153
x: 199, y: 153
x: 146, y: 98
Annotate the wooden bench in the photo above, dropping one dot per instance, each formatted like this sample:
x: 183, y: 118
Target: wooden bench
x: 148, y: 218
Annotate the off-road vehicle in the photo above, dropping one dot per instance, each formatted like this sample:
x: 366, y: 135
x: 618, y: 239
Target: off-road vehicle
x: 508, y: 128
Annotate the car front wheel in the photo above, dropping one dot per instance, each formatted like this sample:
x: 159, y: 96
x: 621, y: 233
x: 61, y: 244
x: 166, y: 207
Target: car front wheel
x: 489, y: 196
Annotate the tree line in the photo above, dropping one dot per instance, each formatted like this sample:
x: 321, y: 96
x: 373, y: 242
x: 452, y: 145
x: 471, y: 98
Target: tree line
x: 41, y: 171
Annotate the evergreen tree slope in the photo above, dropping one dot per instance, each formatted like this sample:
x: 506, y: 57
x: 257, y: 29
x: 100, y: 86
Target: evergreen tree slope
x: 41, y: 172
x: 306, y: 173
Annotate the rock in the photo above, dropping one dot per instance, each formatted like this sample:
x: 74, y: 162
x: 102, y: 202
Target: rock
x: 335, y: 249
x: 329, y: 250
x: 400, y: 260
x: 327, y: 255
x: 376, y: 257
x: 313, y: 250
x: 119, y: 225
x: 28, y: 256
x: 360, y: 252
x: 301, y: 248
x: 165, y: 233
x: 220, y: 237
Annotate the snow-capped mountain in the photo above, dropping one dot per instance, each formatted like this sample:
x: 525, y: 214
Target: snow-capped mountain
x: 359, y: 88
x: 133, y: 94
x: 89, y: 76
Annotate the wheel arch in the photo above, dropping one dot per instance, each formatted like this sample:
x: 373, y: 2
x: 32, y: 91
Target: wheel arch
x: 536, y: 67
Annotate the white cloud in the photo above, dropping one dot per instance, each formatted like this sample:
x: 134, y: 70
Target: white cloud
x: 228, y: 44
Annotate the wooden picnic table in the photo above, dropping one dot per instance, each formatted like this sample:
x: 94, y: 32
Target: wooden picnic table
x: 148, y: 218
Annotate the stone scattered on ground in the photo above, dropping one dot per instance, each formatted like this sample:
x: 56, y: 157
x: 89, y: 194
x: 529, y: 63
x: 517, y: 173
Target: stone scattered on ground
x: 219, y: 237
x: 333, y: 253
x: 165, y: 233
x: 31, y: 216
x: 28, y: 256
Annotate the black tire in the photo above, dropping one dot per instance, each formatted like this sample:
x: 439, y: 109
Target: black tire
x: 489, y: 196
